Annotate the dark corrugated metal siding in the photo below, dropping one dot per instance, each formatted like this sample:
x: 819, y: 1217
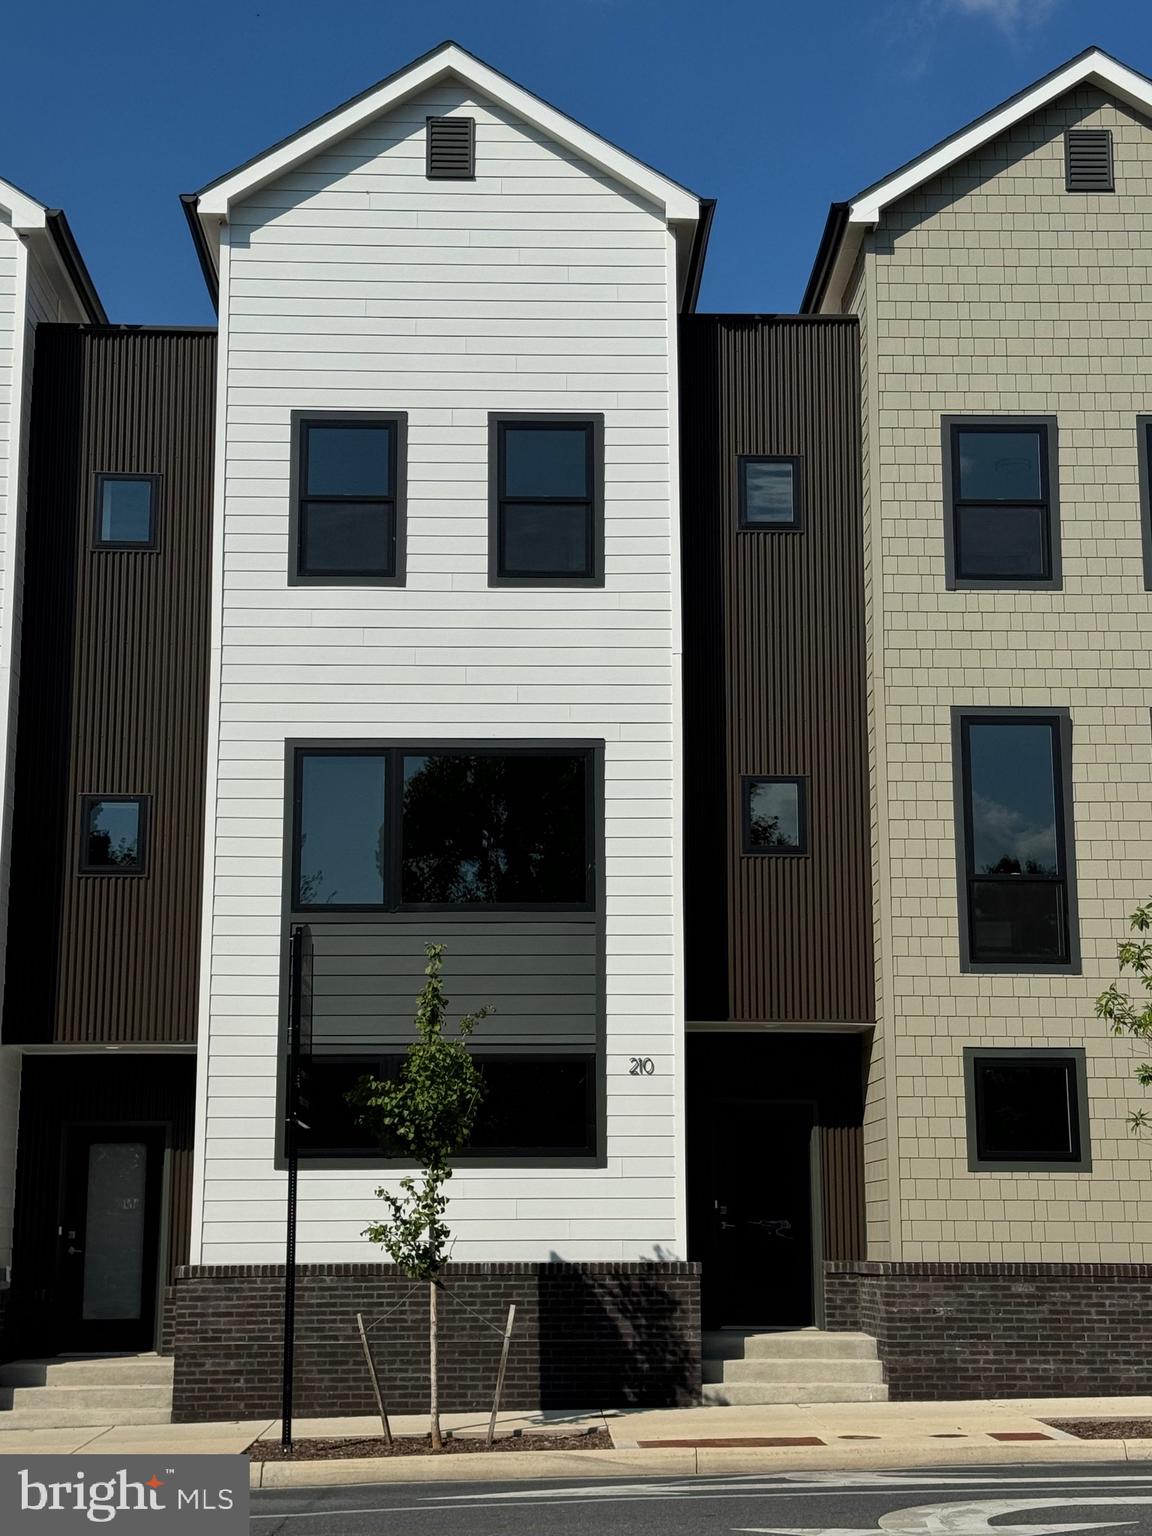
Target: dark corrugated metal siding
x: 774, y: 673
x: 113, y: 690
x: 63, y: 1089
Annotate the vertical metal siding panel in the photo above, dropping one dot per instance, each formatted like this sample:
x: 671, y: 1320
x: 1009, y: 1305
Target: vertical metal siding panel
x: 128, y: 669
x: 788, y: 664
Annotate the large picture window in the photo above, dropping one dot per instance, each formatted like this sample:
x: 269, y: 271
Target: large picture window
x: 1027, y: 1110
x: 1001, y: 525
x: 433, y: 827
x: 348, y: 498
x: 1017, y: 907
x: 547, y: 495
x: 533, y: 1105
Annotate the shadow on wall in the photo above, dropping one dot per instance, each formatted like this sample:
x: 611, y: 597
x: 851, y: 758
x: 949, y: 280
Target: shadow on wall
x: 626, y: 1335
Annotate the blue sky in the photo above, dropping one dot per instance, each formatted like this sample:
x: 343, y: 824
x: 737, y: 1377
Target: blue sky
x: 774, y: 107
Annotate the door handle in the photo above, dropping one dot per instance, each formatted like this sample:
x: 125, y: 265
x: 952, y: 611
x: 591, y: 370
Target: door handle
x: 70, y: 1249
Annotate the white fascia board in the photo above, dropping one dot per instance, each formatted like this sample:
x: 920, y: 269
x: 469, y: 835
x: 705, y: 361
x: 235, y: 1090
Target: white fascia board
x: 676, y: 202
x: 1095, y: 67
x: 26, y: 214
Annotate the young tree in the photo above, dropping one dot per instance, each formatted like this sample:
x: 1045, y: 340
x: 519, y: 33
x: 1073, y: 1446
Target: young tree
x: 1134, y: 1018
x: 425, y: 1113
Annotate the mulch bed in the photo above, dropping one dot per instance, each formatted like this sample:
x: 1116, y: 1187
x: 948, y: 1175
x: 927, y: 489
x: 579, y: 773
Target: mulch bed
x: 1105, y: 1429
x: 421, y: 1445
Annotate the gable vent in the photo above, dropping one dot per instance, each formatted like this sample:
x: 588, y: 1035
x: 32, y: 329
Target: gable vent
x: 451, y: 148
x: 1088, y: 160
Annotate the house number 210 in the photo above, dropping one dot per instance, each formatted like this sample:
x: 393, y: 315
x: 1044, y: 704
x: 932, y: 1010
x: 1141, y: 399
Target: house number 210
x: 641, y: 1066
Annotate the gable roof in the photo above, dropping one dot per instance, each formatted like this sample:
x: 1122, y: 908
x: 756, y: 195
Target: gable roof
x: 207, y: 209
x: 47, y: 231
x: 849, y: 221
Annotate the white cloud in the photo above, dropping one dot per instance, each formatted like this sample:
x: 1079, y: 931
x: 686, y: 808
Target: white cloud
x: 1008, y: 14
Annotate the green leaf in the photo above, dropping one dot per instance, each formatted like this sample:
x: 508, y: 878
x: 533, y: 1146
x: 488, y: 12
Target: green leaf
x: 426, y: 1114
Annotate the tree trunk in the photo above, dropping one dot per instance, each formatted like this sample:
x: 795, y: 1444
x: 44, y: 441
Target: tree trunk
x: 434, y: 1367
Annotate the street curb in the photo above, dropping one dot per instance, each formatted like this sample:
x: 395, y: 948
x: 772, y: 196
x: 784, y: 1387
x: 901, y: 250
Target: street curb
x: 511, y: 1466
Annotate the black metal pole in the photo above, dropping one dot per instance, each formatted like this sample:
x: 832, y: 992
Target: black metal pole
x: 291, y: 1108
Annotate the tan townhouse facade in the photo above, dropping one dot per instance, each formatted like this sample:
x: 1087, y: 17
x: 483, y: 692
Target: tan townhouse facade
x: 1002, y: 291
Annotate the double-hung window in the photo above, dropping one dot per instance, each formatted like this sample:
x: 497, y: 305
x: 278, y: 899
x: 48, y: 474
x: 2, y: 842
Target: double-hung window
x: 348, y: 498
x: 434, y: 828
x: 546, y: 499
x: 1017, y: 894
x: 1000, y: 503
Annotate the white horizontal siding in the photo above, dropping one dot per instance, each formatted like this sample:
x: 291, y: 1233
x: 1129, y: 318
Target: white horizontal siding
x: 356, y: 283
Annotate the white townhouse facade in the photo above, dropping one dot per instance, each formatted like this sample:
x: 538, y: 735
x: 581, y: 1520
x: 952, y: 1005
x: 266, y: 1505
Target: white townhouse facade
x: 533, y: 288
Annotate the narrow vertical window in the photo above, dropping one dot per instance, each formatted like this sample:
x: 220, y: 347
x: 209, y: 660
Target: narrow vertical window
x: 126, y: 511
x: 113, y: 832
x: 1000, y: 503
x: 1016, y: 834
x: 546, y: 505
x: 769, y: 491
x: 1144, y: 460
x: 348, y: 503
x: 775, y: 819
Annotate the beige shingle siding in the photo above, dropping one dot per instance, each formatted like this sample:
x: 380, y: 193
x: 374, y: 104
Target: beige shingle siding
x: 994, y: 290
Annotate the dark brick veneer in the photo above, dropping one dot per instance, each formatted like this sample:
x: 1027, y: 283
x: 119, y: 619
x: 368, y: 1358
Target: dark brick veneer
x: 586, y: 1335
x: 953, y: 1330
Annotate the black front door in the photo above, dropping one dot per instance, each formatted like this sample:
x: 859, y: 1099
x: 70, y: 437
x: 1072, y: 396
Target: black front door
x: 109, y: 1236
x: 757, y: 1242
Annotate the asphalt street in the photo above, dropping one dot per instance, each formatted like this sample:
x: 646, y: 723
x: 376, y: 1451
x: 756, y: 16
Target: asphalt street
x: 1019, y: 1501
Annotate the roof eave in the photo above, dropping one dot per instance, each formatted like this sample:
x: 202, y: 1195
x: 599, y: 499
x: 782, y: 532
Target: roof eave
x: 75, y: 268
x: 190, y: 203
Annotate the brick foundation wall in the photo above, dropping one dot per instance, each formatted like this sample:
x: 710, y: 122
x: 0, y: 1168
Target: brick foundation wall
x: 586, y: 1336
x: 954, y: 1330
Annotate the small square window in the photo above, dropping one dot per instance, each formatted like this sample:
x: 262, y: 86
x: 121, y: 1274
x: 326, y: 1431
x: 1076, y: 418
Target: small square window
x: 769, y: 491
x: 1000, y: 504
x: 775, y: 818
x: 1027, y: 1110
x: 348, y: 506
x: 113, y: 832
x: 546, y: 499
x: 126, y: 511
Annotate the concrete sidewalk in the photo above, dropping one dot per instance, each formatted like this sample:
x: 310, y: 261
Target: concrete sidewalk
x: 656, y: 1442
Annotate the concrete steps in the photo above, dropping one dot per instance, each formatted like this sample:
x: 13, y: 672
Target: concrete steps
x: 795, y: 1365
x: 85, y: 1390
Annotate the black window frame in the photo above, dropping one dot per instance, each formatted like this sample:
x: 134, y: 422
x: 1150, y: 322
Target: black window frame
x: 1069, y: 185
x: 1060, y: 722
x: 1144, y: 462
x: 127, y: 546
x: 755, y: 850
x: 1079, y: 1159
x: 593, y: 423
x: 301, y: 420
x: 1049, y: 500
x: 526, y: 1155
x: 394, y: 752
x: 116, y: 872
x: 796, y: 523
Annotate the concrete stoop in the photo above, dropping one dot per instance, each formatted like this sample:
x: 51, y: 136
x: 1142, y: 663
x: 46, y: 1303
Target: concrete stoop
x: 65, y: 1392
x: 796, y: 1365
